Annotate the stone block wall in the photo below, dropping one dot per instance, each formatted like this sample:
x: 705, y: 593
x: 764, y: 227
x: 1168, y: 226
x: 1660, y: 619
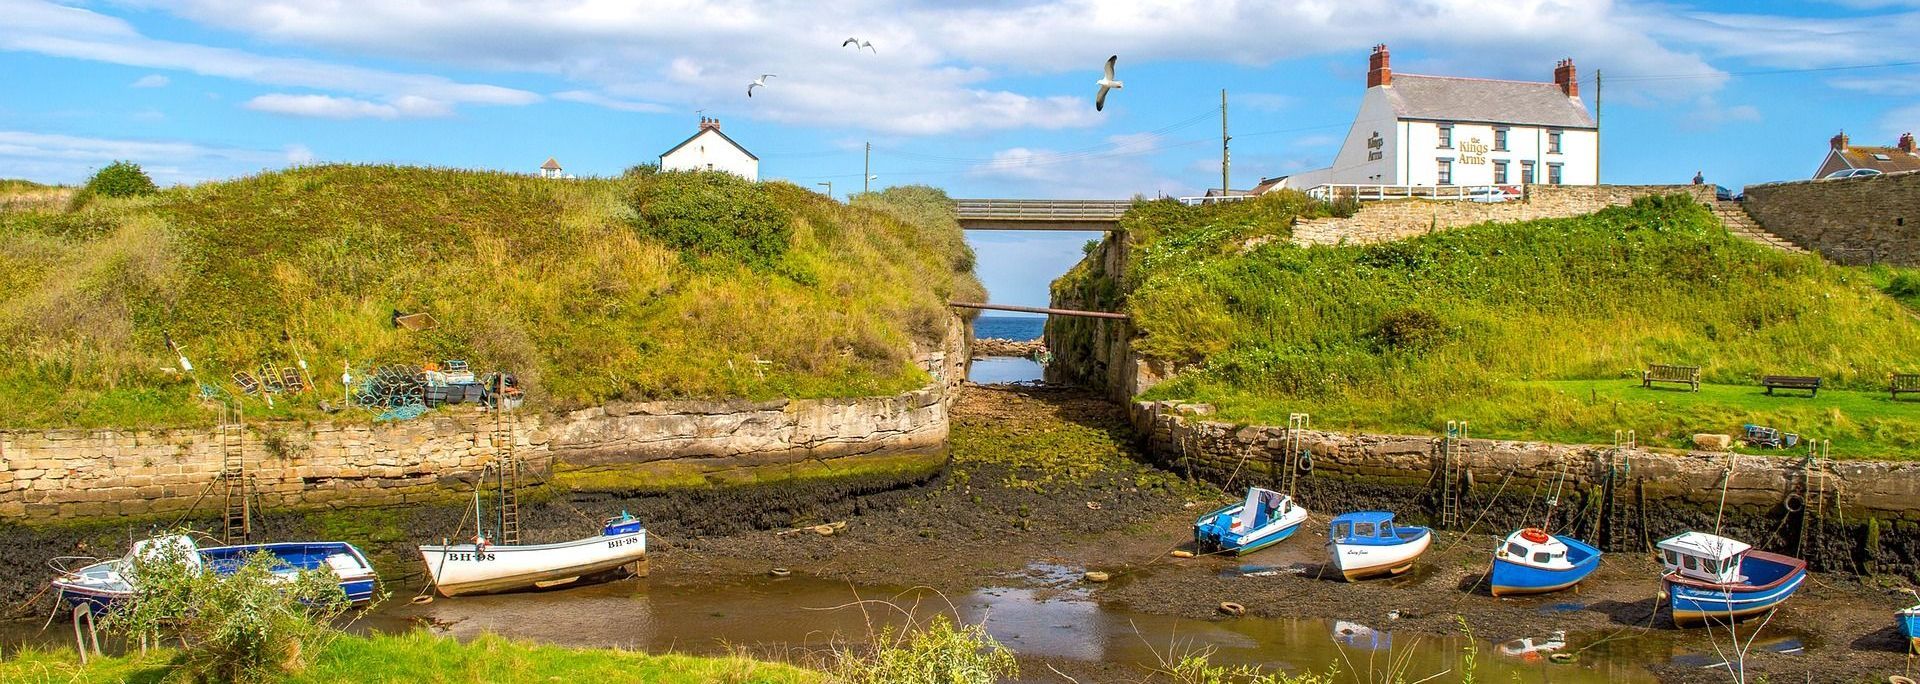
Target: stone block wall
x: 1622, y: 498
x: 1872, y: 219
x: 75, y: 474
x: 1389, y: 220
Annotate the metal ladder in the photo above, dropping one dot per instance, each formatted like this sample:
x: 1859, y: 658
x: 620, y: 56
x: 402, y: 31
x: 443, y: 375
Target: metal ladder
x: 1813, y: 497
x: 1294, y: 452
x: 508, y: 467
x: 1452, y: 463
x: 233, y: 473
x: 1618, y: 466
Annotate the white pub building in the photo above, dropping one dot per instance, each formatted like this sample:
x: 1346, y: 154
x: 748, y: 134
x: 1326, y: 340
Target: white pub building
x: 1449, y: 131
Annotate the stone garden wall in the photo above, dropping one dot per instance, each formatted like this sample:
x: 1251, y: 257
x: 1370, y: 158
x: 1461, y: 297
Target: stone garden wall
x: 1873, y: 219
x: 1389, y: 220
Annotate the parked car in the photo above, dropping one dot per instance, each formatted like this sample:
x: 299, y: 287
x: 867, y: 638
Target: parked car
x: 1853, y: 173
x: 1720, y: 192
x: 1492, y: 194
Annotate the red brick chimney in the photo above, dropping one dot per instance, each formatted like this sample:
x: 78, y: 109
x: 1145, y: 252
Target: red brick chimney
x: 706, y: 124
x: 1563, y: 76
x: 1378, y: 73
x: 1839, y: 142
x: 1906, y: 143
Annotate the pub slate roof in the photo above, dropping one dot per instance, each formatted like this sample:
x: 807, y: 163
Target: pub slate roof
x: 1897, y: 160
x: 1446, y: 98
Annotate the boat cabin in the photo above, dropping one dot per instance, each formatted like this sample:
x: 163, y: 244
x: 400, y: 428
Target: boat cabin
x: 1365, y: 527
x: 1704, y: 557
x: 1536, y: 548
x: 1262, y: 506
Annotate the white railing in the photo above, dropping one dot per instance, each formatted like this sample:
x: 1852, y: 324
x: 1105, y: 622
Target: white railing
x: 1213, y: 199
x: 1368, y: 193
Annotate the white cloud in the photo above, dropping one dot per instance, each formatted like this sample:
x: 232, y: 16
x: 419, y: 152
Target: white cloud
x: 1795, y: 42
x: 593, y: 98
x: 1708, y: 113
x: 298, y: 154
x: 1903, y: 120
x: 329, y: 107
x: 1117, y: 170
x: 1262, y: 102
x: 71, y: 159
x: 152, y: 81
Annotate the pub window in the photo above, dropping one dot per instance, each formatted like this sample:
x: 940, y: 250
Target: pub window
x: 1553, y: 174
x: 1526, y: 171
x: 1553, y: 142
x: 1446, y: 173
x: 1446, y: 135
x: 1500, y: 140
x: 1499, y: 171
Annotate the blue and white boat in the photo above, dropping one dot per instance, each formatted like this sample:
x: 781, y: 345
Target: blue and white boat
x: 1910, y: 627
x: 1367, y: 544
x: 1713, y: 578
x: 104, y: 584
x: 1266, y: 518
x: 1531, y: 561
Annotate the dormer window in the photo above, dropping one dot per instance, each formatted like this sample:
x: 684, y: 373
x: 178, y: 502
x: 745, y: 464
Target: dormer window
x: 1446, y: 136
x: 1553, y: 142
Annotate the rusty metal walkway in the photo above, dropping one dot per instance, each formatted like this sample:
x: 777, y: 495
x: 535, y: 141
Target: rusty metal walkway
x: 1003, y: 214
x: 1038, y: 310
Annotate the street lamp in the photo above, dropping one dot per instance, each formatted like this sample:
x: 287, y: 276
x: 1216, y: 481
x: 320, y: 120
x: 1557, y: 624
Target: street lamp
x: 829, y: 185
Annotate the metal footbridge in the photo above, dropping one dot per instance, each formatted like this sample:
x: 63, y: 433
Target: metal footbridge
x: 1021, y: 214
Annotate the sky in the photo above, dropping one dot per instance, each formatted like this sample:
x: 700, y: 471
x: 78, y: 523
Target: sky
x: 985, y: 99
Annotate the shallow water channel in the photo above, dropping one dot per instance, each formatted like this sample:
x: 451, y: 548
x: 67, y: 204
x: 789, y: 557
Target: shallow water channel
x: 999, y: 370
x: 1044, y: 614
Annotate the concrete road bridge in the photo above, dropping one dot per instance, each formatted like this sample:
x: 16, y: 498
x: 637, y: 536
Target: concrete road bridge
x: 1006, y: 214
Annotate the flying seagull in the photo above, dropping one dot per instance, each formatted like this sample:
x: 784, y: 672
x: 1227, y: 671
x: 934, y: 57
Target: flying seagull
x: 858, y: 43
x: 760, y: 82
x: 1106, y: 84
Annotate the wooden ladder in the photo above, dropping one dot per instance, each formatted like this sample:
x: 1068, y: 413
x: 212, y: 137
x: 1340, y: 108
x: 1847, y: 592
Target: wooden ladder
x: 1452, y: 465
x: 1813, y: 499
x: 509, y: 468
x: 1294, y: 452
x: 233, y: 473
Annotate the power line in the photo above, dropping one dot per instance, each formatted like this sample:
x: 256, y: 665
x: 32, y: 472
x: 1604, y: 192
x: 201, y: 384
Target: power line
x: 1765, y: 72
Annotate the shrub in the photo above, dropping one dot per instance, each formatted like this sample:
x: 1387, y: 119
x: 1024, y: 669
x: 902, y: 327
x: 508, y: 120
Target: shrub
x: 1344, y: 207
x: 1905, y: 285
x: 247, y: 626
x: 940, y: 653
x: 119, y: 179
x: 1410, y: 328
x: 713, y: 214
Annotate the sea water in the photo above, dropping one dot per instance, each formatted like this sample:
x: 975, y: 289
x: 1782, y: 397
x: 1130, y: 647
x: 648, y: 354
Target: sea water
x: 1019, y: 328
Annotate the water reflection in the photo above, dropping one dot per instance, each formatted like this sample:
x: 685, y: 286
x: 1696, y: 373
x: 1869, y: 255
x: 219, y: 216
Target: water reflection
x: 995, y: 370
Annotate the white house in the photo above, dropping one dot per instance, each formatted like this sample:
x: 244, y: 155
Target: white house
x: 1445, y: 130
x: 711, y: 150
x: 551, y: 169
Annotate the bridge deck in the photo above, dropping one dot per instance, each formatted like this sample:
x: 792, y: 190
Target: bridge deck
x: 1033, y: 309
x: 1002, y: 214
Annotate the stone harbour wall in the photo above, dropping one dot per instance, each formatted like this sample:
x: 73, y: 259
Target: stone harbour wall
x: 1866, y: 220
x: 1853, y: 516
x: 1389, y: 220
x: 77, y: 474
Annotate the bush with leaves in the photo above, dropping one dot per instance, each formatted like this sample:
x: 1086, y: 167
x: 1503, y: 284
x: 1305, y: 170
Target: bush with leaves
x: 251, y: 624
x: 119, y: 179
x: 940, y: 653
x: 713, y: 214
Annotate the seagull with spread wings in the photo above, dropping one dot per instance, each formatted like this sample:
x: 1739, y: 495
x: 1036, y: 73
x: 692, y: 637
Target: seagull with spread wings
x: 760, y: 82
x: 858, y: 43
x: 1107, y: 83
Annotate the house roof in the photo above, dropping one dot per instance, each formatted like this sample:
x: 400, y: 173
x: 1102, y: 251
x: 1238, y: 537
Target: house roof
x: 716, y: 131
x: 1447, y: 98
x: 551, y: 165
x: 1896, y: 160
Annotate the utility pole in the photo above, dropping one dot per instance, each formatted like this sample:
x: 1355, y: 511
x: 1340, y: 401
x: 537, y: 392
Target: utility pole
x: 829, y: 185
x: 866, y: 172
x: 1226, y: 161
x: 1596, y: 126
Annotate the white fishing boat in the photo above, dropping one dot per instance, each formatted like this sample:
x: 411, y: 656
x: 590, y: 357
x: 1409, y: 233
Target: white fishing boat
x: 480, y: 567
x: 1367, y: 544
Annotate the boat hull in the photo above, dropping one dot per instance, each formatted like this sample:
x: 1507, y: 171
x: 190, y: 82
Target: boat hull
x: 1910, y: 626
x: 1511, y: 578
x: 1365, y: 561
x: 1693, y: 606
x: 1213, y: 534
x: 345, y: 561
x: 462, y: 569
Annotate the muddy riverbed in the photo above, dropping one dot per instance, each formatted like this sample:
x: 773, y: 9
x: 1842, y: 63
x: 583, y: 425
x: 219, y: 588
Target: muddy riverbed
x: 1042, y: 487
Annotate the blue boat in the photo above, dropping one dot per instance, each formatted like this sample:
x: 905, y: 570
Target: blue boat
x: 1713, y: 578
x: 1367, y: 544
x: 1266, y: 518
x: 1534, y: 562
x: 105, y: 584
x: 1910, y: 626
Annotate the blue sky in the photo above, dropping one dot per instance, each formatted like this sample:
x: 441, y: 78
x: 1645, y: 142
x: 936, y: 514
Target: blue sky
x: 986, y: 99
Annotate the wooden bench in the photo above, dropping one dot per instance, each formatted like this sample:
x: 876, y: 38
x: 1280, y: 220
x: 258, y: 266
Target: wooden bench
x: 1904, y: 382
x: 1686, y: 375
x: 1796, y: 382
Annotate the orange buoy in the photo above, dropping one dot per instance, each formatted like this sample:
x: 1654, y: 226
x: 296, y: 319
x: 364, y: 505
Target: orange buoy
x: 1534, y: 534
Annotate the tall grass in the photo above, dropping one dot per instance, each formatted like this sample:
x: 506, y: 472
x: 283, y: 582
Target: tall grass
x: 1384, y: 333
x: 565, y: 282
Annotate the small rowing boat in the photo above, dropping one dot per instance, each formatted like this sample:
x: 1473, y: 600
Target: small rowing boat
x: 1367, y: 544
x: 1713, y: 578
x: 480, y: 567
x: 1266, y: 518
x: 1531, y: 561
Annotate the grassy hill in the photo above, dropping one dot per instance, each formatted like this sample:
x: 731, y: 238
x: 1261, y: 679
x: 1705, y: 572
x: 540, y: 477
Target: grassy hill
x: 1529, y: 330
x: 663, y: 285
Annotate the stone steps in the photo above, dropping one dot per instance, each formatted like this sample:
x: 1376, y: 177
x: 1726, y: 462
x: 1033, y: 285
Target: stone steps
x: 1741, y: 225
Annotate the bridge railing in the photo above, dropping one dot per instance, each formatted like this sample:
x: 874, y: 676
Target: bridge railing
x: 1042, y: 210
x: 1367, y: 193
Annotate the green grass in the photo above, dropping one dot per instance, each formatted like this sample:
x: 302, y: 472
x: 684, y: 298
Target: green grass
x: 1499, y: 323
x: 1900, y: 283
x: 421, y: 657
x: 565, y: 282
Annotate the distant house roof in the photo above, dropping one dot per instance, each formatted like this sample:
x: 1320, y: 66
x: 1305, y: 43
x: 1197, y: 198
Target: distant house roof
x: 1446, y: 98
x: 1882, y: 159
x: 716, y: 131
x: 1267, y: 185
x: 551, y: 165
